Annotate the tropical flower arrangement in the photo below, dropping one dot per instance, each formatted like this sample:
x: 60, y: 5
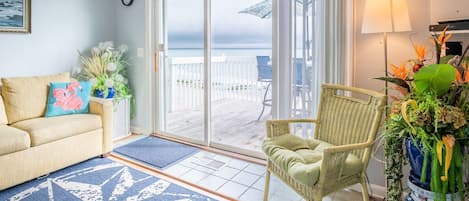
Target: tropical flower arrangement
x: 106, y: 68
x: 431, y: 110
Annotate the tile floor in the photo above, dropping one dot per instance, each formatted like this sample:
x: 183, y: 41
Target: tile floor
x: 238, y: 179
x: 235, y: 178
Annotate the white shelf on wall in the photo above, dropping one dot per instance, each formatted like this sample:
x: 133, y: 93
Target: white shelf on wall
x: 452, y: 32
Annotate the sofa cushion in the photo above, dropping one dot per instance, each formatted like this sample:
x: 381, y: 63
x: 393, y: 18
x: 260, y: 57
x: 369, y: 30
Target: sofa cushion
x: 13, y: 140
x: 302, y: 159
x: 43, y: 130
x: 26, y: 97
x: 68, y: 98
x: 3, y: 114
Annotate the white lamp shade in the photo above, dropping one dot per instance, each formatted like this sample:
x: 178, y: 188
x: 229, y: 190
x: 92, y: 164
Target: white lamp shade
x: 386, y: 16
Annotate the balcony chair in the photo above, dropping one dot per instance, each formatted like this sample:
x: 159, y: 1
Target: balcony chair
x: 302, y: 88
x: 264, y: 74
x: 338, y: 155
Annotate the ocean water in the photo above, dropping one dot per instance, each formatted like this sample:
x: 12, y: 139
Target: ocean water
x: 228, y: 52
x: 217, y: 52
x: 11, y: 13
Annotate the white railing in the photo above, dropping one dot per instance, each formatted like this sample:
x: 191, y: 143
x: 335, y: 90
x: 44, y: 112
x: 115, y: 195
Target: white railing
x: 231, y: 78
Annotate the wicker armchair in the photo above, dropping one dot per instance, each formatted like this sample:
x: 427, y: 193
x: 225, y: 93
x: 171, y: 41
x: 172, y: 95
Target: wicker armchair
x: 338, y: 155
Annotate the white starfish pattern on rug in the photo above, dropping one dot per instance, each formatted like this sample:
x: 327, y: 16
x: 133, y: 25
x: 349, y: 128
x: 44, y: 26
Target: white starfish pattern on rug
x: 121, y: 181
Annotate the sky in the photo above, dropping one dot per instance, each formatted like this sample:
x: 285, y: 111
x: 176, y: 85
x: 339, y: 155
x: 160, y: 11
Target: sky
x: 230, y: 29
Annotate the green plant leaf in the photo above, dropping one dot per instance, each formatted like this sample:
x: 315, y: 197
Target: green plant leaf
x: 397, y: 81
x: 436, y: 78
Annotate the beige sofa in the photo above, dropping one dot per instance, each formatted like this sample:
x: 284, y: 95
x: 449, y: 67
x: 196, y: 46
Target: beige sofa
x: 32, y: 145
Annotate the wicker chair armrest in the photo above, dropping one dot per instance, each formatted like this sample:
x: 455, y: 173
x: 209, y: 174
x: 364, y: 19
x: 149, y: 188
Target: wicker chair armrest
x: 287, y: 121
x: 346, y: 148
x: 312, y: 121
x: 281, y: 127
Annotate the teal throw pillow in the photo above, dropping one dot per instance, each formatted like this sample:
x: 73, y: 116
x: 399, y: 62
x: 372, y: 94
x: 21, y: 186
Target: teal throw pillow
x: 68, y: 98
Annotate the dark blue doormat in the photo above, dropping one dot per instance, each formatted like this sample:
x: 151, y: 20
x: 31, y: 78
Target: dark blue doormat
x: 100, y: 179
x: 157, y: 152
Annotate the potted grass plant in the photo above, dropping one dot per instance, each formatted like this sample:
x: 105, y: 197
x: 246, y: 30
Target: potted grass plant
x: 429, y: 120
x: 106, y: 67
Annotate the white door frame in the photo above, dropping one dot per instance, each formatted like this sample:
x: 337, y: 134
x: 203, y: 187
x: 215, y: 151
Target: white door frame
x: 207, y: 71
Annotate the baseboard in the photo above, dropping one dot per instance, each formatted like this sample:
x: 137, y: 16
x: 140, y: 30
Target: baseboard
x: 122, y: 137
x: 377, y: 190
x: 139, y: 130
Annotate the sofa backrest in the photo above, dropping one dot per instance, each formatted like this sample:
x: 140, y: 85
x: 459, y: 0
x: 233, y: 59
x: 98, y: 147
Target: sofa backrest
x: 26, y: 97
x: 3, y: 114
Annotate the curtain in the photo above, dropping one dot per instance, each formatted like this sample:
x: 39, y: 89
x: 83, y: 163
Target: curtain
x: 335, y: 44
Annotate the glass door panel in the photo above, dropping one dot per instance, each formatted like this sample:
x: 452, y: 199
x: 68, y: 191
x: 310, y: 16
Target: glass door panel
x: 184, y: 69
x: 306, y: 69
x: 241, y: 83
x: 241, y: 74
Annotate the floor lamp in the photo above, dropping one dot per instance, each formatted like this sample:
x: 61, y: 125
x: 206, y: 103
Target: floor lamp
x: 385, y: 16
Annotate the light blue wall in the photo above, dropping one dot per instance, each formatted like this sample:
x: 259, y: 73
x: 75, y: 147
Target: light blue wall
x: 62, y: 28
x: 59, y: 29
x: 130, y: 30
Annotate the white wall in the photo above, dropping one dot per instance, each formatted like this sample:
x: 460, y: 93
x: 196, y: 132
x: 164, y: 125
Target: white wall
x: 130, y: 30
x: 370, y: 60
x: 62, y: 28
x: 59, y: 29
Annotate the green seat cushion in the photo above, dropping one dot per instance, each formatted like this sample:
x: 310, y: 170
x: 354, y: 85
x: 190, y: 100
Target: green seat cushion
x: 302, y: 158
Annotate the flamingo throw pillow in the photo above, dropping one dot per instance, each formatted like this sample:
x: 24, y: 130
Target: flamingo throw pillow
x: 68, y: 98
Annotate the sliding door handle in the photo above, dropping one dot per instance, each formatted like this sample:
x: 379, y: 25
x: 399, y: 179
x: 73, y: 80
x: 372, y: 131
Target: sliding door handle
x: 155, y: 62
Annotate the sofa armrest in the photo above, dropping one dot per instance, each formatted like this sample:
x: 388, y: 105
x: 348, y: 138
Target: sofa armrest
x: 105, y: 109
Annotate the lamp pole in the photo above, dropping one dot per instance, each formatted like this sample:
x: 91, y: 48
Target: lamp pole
x: 386, y: 75
x: 386, y: 16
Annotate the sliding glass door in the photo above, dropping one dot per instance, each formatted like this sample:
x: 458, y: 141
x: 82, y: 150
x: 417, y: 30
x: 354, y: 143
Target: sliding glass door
x: 216, y: 78
x: 183, y: 74
x: 219, y: 80
x: 307, y: 60
x: 241, y: 74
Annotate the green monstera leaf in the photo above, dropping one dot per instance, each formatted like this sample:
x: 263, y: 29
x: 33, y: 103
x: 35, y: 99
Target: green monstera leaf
x: 436, y: 78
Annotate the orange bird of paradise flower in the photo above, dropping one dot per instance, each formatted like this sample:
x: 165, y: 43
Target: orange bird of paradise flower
x: 459, y: 77
x: 399, y: 71
x: 443, y: 37
x: 420, y: 52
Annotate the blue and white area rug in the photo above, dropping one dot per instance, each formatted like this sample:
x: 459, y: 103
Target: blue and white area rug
x: 100, y: 179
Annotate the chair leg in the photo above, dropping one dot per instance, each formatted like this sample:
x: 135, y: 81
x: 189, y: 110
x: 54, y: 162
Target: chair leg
x: 317, y: 197
x: 264, y: 101
x: 266, y: 185
x: 366, y: 196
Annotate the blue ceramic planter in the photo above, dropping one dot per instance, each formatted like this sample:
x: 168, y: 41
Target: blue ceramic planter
x: 100, y: 93
x: 416, y: 157
x: 110, y: 93
x: 419, y: 189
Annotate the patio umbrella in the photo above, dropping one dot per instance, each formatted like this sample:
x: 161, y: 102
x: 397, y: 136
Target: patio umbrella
x: 263, y: 9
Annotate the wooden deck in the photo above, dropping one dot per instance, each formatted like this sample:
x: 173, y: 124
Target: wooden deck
x: 234, y: 122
